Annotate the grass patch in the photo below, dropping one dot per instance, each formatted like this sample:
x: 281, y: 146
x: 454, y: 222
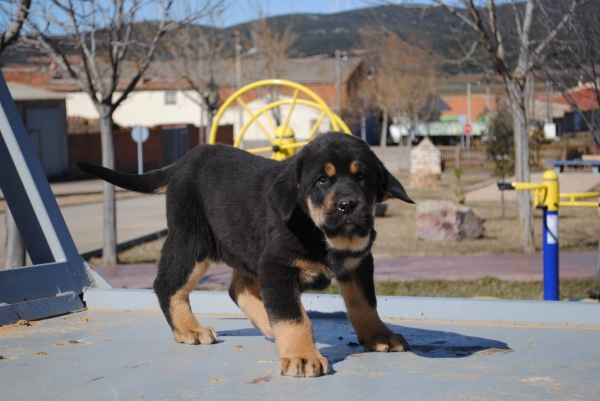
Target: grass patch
x: 485, y: 287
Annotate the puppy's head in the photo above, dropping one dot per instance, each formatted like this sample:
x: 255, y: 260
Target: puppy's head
x: 337, y: 180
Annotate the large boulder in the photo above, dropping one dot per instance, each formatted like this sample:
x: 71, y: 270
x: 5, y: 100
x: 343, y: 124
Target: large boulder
x: 425, y: 165
x: 444, y: 220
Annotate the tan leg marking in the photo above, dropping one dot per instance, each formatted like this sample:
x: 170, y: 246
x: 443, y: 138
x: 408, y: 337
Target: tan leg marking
x: 370, y: 330
x: 162, y: 190
x: 353, y: 243
x: 296, y: 345
x: 354, y: 167
x: 186, y: 328
x: 329, y: 169
x: 310, y: 270
x: 245, y: 292
x: 351, y: 263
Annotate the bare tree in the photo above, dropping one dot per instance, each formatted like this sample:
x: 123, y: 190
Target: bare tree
x: 17, y: 19
x: 197, y: 52
x: 402, y: 83
x: 99, y: 36
x: 512, y: 56
x: 271, y: 44
x: 16, y: 14
x: 573, y: 57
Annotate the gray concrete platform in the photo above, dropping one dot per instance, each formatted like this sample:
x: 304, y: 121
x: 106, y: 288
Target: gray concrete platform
x: 460, y: 349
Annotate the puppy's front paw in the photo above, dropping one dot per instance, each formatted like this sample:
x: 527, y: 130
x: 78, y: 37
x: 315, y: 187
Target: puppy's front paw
x: 386, y: 343
x: 198, y: 335
x: 310, y: 366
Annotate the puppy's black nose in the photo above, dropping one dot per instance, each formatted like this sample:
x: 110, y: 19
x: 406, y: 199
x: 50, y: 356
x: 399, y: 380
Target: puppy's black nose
x: 347, y: 206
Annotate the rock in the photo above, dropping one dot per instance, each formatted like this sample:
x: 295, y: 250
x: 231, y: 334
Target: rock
x: 426, y: 166
x: 443, y: 220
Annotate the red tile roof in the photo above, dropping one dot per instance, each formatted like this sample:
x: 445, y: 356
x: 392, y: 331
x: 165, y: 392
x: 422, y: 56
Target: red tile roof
x: 458, y: 106
x: 585, y: 98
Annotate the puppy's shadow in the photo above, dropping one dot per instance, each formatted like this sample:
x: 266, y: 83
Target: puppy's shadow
x: 246, y: 332
x: 341, y: 338
x: 334, y: 330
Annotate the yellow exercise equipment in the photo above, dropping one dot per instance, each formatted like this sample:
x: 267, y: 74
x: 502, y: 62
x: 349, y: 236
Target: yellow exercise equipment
x: 282, y: 137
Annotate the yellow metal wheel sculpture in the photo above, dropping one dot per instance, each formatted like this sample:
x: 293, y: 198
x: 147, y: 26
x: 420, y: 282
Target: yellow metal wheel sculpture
x: 282, y: 137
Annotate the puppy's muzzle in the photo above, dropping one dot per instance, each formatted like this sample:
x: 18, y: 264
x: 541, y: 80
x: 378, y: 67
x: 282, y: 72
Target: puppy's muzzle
x: 347, y: 206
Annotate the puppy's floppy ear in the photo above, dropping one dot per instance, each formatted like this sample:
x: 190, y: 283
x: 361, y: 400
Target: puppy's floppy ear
x: 283, y: 194
x: 390, y: 187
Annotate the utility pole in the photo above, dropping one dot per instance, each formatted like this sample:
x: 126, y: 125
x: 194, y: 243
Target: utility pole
x: 548, y: 102
x: 488, y: 101
x: 238, y: 75
x: 469, y: 112
x: 338, y: 82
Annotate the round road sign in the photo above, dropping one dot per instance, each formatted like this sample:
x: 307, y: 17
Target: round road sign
x: 467, y: 128
x: 140, y: 133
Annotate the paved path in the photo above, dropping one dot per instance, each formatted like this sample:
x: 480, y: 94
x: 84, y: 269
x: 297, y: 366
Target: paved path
x: 135, y: 217
x: 568, y: 182
x: 512, y: 267
x: 76, y: 188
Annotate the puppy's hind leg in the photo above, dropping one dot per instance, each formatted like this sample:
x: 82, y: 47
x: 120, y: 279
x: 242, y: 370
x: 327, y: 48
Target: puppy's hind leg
x: 178, y: 274
x: 245, y: 292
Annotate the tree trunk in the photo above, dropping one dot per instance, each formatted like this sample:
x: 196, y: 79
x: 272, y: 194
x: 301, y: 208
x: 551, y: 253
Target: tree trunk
x: 363, y: 128
x: 109, y: 246
x: 384, y: 129
x: 517, y: 98
x: 14, y: 249
x: 209, y: 121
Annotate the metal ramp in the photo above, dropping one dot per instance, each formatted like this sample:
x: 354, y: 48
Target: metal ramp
x: 118, y: 345
x: 55, y: 283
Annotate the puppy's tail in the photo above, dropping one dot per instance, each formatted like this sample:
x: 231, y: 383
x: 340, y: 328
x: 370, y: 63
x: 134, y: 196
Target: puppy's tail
x: 152, y: 182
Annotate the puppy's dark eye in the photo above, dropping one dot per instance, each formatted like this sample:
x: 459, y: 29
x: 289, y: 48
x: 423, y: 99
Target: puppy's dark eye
x: 360, y: 176
x: 321, y: 180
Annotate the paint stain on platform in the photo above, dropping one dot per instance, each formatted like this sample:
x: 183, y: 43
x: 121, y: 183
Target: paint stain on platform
x: 20, y: 324
x: 218, y: 379
x: 261, y: 380
x: 491, y: 351
x: 240, y: 347
x: 72, y: 342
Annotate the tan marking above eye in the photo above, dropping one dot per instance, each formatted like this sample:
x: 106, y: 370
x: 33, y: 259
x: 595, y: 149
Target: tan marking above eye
x: 354, y: 167
x: 329, y: 169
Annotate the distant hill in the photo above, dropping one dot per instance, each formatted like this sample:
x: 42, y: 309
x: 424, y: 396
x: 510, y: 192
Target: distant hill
x: 324, y: 33
x: 431, y: 28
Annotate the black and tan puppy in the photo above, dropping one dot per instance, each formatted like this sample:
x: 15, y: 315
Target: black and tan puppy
x: 284, y: 227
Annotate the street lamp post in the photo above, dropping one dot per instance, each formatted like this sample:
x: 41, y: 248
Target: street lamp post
x: 238, y: 72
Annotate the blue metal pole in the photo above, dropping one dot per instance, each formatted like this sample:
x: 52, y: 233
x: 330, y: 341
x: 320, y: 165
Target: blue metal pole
x: 550, y: 241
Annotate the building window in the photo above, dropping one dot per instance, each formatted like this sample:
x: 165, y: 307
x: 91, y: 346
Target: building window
x: 170, y: 97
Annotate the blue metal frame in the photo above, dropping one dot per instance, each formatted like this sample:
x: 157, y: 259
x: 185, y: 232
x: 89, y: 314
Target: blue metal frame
x: 54, y: 284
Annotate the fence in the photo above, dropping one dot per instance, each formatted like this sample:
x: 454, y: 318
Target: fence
x: 475, y: 156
